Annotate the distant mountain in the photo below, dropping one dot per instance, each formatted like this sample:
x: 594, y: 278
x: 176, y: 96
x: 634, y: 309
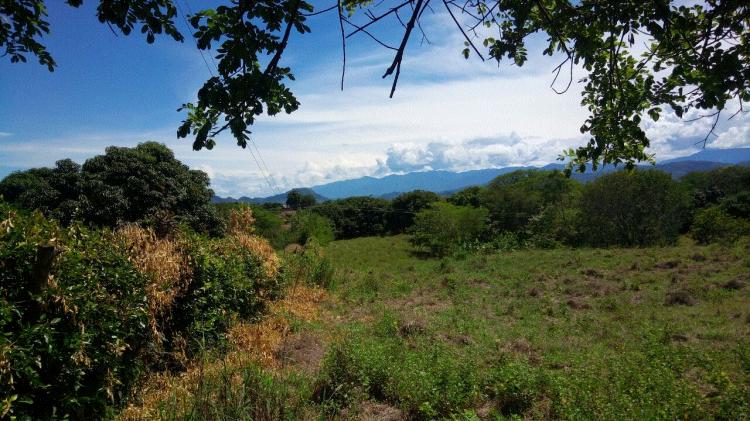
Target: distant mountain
x: 437, y: 181
x: 724, y: 156
x: 446, y: 182
x: 279, y: 198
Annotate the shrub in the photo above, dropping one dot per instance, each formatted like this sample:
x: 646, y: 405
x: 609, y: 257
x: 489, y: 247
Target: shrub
x: 307, y: 226
x: 71, y: 343
x: 405, y: 206
x: 552, y: 227
x: 514, y: 198
x: 267, y: 222
x: 310, y: 266
x: 356, y: 216
x: 231, y: 277
x: 444, y: 227
x: 714, y: 224
x: 632, y: 208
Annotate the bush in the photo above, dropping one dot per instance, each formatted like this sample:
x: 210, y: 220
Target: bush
x: 632, y: 208
x: 71, y: 344
x: 75, y: 343
x: 310, y: 266
x: 231, y: 277
x: 444, y: 227
x: 715, y: 224
x: 405, y: 206
x: 514, y: 198
x: 356, y: 216
x: 307, y: 226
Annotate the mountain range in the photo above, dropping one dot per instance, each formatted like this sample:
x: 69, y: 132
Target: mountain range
x: 447, y: 182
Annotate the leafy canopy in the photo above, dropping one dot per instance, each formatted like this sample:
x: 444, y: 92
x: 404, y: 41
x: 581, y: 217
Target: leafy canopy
x: 640, y: 58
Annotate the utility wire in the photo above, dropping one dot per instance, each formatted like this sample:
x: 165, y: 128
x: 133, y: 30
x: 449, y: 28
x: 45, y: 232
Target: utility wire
x: 192, y: 35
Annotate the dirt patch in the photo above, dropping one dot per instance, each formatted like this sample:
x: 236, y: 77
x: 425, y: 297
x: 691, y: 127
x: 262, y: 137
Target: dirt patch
x: 681, y: 297
x: 293, y: 248
x: 303, y: 351
x: 459, y: 338
x: 734, y: 284
x: 669, y: 264
x: 578, y: 304
x: 698, y: 257
x: 421, y: 300
x: 522, y: 347
x: 377, y: 411
x: 592, y: 273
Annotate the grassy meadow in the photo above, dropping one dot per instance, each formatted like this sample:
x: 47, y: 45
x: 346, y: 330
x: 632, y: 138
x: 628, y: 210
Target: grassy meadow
x: 632, y: 333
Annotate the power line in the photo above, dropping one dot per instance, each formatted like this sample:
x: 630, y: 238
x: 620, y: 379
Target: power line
x: 192, y: 35
x: 190, y: 12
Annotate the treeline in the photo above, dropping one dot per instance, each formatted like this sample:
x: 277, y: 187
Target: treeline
x: 533, y: 208
x: 141, y: 184
x: 121, y: 267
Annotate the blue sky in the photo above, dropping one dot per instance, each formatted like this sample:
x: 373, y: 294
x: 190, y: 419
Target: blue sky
x: 448, y: 113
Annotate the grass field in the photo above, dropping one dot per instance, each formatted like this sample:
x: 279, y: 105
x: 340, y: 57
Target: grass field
x: 652, y: 333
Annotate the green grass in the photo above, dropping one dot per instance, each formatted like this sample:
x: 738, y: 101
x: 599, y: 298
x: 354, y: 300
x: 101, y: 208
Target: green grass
x: 600, y: 334
x: 571, y: 334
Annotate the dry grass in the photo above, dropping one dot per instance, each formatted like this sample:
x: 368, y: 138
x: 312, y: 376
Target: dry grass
x: 250, y: 343
x: 165, y: 265
x: 241, y: 221
x: 261, y: 249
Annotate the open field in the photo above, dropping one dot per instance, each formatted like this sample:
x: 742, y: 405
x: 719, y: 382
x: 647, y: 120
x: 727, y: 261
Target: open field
x: 643, y: 333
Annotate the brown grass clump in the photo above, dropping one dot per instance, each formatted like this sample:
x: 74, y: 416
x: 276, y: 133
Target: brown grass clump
x: 163, y: 263
x: 241, y: 221
x: 261, y: 249
x: 250, y: 343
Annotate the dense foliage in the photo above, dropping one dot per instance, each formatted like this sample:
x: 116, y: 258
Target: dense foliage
x: 633, y: 209
x: 144, y: 183
x: 444, y: 226
x: 297, y: 199
x: 356, y: 216
x: 78, y: 332
x: 405, y: 206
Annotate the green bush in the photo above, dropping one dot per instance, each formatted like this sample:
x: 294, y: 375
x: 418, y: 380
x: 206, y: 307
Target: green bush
x: 715, y: 224
x: 443, y: 227
x: 356, y: 216
x: 230, y: 279
x: 307, y: 226
x: 405, y: 206
x: 76, y: 345
x: 632, y: 208
x: 310, y: 266
x: 73, y: 348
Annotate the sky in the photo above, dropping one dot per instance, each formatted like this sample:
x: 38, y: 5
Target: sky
x: 448, y: 113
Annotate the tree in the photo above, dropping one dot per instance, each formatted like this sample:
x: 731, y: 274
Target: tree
x: 406, y: 205
x: 696, y: 57
x: 514, y: 198
x: 356, y: 216
x: 638, y: 208
x: 123, y: 185
x: 470, y: 196
x: 297, y: 199
x: 443, y: 227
